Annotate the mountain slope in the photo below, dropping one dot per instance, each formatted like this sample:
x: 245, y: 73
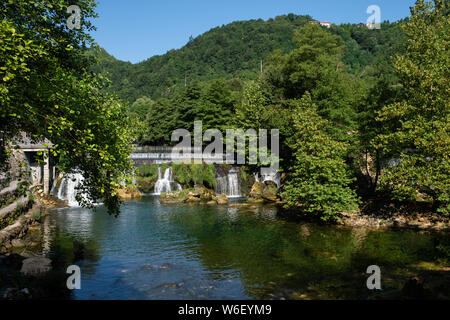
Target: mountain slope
x: 235, y: 51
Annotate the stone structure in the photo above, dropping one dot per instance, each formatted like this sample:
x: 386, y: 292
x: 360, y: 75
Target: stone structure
x: 42, y: 170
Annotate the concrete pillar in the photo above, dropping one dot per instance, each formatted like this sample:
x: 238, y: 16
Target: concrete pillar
x: 46, y: 179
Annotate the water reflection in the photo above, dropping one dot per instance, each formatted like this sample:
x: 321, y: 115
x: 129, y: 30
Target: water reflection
x: 162, y: 251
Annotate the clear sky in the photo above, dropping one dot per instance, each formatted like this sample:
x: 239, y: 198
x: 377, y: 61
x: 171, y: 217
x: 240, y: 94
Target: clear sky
x: 134, y: 30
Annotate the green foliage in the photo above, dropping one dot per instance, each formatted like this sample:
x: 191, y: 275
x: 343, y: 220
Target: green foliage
x: 319, y: 181
x: 419, y: 124
x: 188, y: 175
x: 150, y: 171
x: 231, y: 51
x: 48, y: 91
x: 236, y: 51
x: 251, y: 112
x: 213, y: 103
x: 191, y: 174
x: 316, y: 66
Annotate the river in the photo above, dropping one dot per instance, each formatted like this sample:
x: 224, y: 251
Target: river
x: 179, y: 251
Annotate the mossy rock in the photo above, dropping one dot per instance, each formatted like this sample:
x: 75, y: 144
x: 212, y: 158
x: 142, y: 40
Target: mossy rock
x: 174, y: 196
x: 270, y: 191
x: 129, y: 193
x: 257, y: 190
x: 222, y: 199
x: 193, y: 199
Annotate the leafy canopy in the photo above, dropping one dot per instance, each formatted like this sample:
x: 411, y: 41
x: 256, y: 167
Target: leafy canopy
x: 48, y: 91
x: 420, y: 123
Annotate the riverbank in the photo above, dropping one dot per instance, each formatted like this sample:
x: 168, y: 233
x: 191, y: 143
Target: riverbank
x: 381, y: 213
x: 24, y: 266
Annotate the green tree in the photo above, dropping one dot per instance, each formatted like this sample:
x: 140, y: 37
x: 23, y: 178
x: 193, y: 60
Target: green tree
x: 250, y: 113
x: 319, y: 181
x: 141, y: 107
x: 48, y: 90
x: 316, y: 66
x: 161, y: 120
x: 421, y: 135
x: 216, y: 108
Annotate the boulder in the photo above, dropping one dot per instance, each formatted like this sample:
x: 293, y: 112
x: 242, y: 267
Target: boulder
x: 207, y: 195
x: 270, y: 191
x: 17, y: 243
x: 129, y: 193
x: 222, y: 199
x: 36, y: 266
x: 193, y: 199
x: 257, y: 190
x: 174, y: 196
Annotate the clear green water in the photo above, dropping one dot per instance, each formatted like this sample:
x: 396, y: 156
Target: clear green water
x: 165, y: 251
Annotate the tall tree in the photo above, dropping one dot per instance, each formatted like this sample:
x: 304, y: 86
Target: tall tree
x: 319, y: 182
x: 47, y: 90
x: 315, y: 66
x: 421, y: 135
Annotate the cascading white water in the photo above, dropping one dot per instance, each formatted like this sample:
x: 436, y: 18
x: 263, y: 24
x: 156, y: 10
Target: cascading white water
x: 67, y: 188
x: 233, y: 183
x: 229, y: 184
x: 166, y: 183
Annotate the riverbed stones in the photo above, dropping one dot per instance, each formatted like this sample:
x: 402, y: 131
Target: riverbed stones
x: 36, y: 266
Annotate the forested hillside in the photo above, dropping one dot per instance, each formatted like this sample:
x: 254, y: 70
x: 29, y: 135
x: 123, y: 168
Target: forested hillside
x: 236, y: 51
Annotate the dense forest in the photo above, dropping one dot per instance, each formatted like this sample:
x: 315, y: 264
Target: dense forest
x: 361, y: 112
x: 205, y: 79
x: 348, y: 101
x: 237, y: 50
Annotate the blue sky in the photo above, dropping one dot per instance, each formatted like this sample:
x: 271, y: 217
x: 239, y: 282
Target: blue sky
x: 134, y: 30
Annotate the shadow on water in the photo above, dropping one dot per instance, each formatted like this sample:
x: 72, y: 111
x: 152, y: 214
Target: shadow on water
x: 166, y: 251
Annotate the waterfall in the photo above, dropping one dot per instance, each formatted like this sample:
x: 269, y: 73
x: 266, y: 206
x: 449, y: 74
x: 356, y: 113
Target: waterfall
x: 66, y: 190
x: 166, y: 183
x: 228, y: 184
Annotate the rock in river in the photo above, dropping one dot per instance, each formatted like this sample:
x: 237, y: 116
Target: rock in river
x: 36, y: 266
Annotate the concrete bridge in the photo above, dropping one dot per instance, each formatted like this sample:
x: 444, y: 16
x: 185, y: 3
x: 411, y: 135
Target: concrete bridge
x: 158, y: 155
